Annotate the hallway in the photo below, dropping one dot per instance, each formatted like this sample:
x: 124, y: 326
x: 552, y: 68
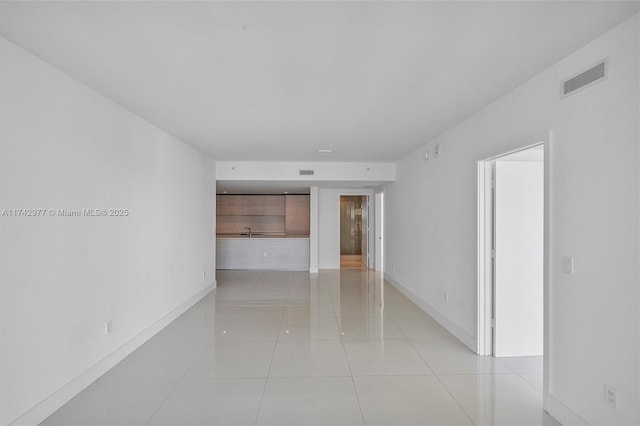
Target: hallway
x: 290, y: 348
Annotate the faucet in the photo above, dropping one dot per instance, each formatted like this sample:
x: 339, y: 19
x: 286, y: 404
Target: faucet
x: 249, y: 234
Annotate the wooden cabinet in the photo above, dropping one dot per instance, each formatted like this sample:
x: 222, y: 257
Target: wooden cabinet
x: 230, y: 205
x: 274, y: 205
x: 296, y: 219
x: 252, y: 205
x: 271, y: 214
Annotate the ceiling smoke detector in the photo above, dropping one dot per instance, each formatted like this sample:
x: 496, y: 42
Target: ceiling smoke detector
x: 325, y: 151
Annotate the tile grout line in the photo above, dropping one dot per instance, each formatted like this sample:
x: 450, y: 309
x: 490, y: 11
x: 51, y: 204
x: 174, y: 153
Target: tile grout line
x: 163, y: 401
x: 346, y: 357
x: 353, y: 382
x: 180, y: 380
x: 519, y: 374
x: 273, y: 355
x: 454, y: 398
x: 443, y: 385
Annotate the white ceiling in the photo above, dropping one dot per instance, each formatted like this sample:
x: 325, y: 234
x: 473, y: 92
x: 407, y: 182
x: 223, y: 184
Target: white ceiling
x: 276, y: 81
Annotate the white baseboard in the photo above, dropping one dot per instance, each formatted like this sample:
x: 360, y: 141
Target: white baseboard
x: 564, y: 414
x: 463, y: 336
x: 63, y: 395
x: 313, y: 270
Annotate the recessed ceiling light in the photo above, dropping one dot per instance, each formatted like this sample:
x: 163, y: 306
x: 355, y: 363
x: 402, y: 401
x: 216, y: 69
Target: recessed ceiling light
x: 325, y: 151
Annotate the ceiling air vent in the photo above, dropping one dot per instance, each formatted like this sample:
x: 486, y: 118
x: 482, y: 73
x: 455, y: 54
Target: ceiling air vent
x: 586, y: 78
x: 306, y: 172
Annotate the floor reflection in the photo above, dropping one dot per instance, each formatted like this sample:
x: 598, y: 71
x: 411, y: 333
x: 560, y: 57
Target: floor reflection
x: 282, y: 347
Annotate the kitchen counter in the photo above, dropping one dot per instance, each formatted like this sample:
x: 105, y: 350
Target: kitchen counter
x: 263, y: 252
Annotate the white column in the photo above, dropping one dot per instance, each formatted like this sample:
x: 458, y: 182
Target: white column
x: 313, y: 230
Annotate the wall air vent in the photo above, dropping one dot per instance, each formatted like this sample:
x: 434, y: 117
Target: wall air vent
x: 306, y: 172
x: 585, y: 79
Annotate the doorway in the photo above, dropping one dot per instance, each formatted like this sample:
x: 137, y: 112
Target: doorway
x: 513, y: 252
x: 354, y: 231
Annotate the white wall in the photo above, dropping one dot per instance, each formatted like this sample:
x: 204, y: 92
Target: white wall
x: 329, y: 224
x: 430, y: 222
x: 290, y: 171
x: 63, y: 146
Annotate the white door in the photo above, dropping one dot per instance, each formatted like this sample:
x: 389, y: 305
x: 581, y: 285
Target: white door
x: 518, y: 273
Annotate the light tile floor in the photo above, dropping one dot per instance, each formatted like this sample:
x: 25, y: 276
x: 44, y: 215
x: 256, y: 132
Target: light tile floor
x: 290, y: 348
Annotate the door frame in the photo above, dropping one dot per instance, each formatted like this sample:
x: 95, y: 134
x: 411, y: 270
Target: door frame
x: 378, y: 246
x: 365, y: 231
x: 485, y: 296
x: 369, y: 199
x: 371, y: 231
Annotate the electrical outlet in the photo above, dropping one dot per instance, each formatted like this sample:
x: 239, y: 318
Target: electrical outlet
x: 567, y: 265
x: 264, y: 254
x: 108, y: 327
x: 612, y: 396
x: 446, y: 298
x: 204, y: 274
